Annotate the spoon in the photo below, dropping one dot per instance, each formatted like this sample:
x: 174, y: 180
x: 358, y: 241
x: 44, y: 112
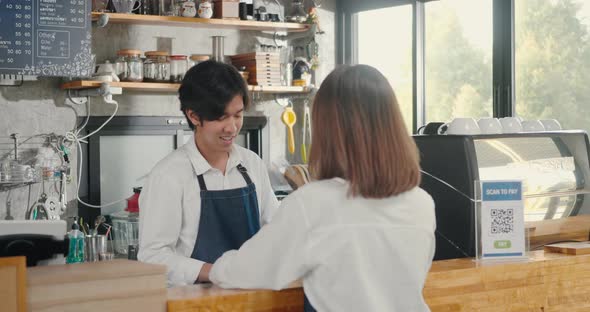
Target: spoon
x: 289, y: 118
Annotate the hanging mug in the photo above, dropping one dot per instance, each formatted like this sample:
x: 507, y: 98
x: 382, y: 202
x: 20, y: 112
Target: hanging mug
x: 205, y: 9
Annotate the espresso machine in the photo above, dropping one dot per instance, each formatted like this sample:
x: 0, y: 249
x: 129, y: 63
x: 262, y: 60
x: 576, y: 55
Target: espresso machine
x: 42, y: 242
x: 554, y: 168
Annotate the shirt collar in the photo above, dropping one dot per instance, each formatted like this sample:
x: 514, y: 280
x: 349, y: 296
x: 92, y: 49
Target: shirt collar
x: 201, y: 165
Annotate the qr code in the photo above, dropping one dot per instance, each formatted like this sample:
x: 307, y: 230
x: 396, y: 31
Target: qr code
x: 502, y: 221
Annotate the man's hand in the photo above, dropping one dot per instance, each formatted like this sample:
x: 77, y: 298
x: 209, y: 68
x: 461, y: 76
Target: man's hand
x: 204, y: 274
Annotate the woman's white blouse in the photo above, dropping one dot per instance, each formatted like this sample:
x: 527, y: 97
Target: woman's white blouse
x: 353, y: 254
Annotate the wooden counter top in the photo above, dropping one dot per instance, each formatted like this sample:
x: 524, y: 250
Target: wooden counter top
x: 118, y: 285
x: 545, y: 282
x: 207, y: 297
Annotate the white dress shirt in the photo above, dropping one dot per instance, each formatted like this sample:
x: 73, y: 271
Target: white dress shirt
x: 353, y: 254
x: 170, y: 205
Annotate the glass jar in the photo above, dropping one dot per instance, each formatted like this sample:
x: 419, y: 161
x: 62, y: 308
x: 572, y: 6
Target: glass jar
x: 125, y: 230
x: 178, y: 67
x: 297, y: 14
x: 156, y: 67
x: 185, y: 8
x: 132, y: 65
x: 205, y: 9
x: 120, y: 65
x: 196, y: 59
x: 166, y: 7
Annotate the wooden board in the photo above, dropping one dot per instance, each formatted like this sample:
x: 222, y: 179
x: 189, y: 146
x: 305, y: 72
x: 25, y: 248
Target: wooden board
x: 545, y: 232
x: 140, y: 86
x: 13, y: 285
x: 212, y: 298
x: 258, y: 66
x: 574, y: 248
x: 213, y: 23
x: 118, y: 285
x: 255, y: 56
x: 173, y: 87
x: 546, y: 282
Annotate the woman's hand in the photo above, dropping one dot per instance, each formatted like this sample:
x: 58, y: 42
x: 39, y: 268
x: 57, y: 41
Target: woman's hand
x: 204, y: 274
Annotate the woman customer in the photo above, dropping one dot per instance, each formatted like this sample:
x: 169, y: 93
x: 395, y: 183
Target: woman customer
x: 361, y: 237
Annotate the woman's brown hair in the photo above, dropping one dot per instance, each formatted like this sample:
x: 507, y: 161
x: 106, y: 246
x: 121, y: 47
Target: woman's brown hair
x: 359, y: 135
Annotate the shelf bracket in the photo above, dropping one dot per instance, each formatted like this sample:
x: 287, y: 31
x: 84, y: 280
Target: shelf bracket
x: 106, y: 91
x: 297, y: 35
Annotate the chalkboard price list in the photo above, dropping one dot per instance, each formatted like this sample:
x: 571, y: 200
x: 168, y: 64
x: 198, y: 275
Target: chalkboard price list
x: 53, y: 43
x: 17, y: 48
x: 63, y: 13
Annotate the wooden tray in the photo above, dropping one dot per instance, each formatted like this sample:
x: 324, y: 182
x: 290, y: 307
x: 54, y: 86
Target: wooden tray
x: 575, y: 248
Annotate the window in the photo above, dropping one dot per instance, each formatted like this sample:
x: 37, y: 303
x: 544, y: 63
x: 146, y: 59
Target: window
x: 458, y: 61
x: 385, y: 42
x: 552, y: 61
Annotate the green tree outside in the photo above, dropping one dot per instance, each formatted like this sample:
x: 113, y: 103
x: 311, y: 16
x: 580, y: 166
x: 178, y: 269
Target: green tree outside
x: 552, y: 62
x: 458, y: 75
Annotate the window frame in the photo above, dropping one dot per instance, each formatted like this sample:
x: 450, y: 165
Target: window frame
x: 502, y: 55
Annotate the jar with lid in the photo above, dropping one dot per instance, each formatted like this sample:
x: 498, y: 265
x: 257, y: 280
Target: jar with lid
x: 297, y: 14
x: 131, y: 65
x: 205, y: 9
x: 178, y: 66
x: 185, y: 8
x: 196, y: 59
x: 156, y: 67
x: 126, y: 225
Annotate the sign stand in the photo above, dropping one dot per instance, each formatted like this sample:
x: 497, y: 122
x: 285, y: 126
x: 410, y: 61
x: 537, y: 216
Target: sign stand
x: 499, y: 221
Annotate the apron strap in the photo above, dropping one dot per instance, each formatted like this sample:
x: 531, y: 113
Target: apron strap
x: 241, y: 169
x: 202, y: 182
x: 244, y: 173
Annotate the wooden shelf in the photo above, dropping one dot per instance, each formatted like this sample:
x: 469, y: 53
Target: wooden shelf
x: 169, y: 87
x: 137, y: 19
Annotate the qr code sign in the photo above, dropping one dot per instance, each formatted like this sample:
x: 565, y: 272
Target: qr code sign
x: 502, y: 220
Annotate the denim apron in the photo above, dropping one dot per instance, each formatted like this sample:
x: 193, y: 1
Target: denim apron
x: 228, y: 219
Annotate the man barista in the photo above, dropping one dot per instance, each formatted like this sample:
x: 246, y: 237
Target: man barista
x: 210, y: 195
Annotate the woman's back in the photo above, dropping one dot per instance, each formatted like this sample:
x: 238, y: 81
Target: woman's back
x: 366, y: 254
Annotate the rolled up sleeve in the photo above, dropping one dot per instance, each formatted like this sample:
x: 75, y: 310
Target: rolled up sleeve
x: 269, y: 203
x: 159, y: 228
x: 273, y: 258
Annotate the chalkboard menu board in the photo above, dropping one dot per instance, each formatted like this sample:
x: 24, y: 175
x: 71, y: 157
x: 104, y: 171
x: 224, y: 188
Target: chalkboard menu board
x: 45, y: 37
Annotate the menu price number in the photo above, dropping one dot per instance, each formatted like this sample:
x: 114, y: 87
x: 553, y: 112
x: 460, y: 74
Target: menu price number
x: 18, y: 51
x: 21, y: 25
x: 26, y: 34
x: 20, y: 16
x: 77, y: 11
x: 18, y: 7
x: 79, y: 20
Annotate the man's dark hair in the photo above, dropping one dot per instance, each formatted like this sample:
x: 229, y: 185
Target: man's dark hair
x: 207, y: 89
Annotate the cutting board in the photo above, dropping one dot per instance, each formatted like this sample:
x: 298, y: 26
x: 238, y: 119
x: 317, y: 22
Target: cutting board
x: 574, y: 248
x: 13, y: 288
x: 118, y: 285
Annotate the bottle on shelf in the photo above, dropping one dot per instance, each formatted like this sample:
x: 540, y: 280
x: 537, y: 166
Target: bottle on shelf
x: 76, y: 244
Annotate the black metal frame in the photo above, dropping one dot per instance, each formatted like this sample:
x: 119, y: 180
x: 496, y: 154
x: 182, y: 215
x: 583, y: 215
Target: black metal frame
x: 503, y: 50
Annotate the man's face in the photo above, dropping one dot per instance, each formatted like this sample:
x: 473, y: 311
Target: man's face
x: 213, y: 136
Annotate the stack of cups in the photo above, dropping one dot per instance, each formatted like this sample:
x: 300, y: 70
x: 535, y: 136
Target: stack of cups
x: 489, y: 125
x: 96, y: 248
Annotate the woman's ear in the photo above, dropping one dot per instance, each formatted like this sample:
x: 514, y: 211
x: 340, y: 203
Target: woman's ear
x: 194, y: 118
